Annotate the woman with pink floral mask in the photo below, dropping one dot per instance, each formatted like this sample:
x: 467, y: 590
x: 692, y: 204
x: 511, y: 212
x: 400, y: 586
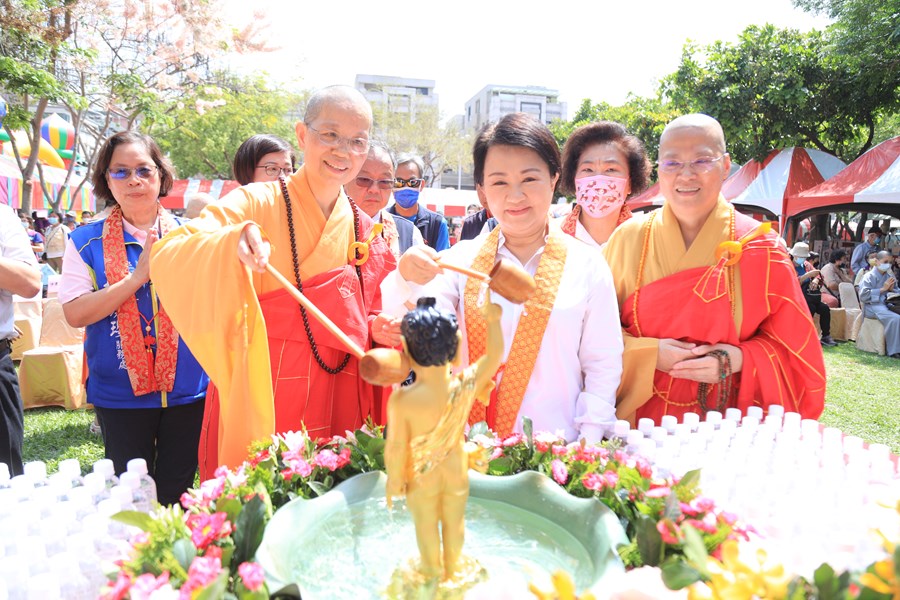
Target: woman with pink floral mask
x: 602, y: 166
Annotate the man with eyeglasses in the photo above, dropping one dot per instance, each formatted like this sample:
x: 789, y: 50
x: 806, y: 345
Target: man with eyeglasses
x: 274, y: 367
x: 371, y: 190
x: 712, y: 314
x: 408, y: 185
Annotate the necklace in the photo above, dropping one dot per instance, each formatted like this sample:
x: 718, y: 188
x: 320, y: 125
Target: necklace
x: 149, y: 340
x: 296, y: 261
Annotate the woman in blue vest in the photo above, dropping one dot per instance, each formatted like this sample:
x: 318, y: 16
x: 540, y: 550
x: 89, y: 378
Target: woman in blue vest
x: 147, y: 388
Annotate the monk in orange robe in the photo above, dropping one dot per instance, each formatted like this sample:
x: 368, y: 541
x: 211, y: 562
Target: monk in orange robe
x: 703, y: 291
x: 274, y: 367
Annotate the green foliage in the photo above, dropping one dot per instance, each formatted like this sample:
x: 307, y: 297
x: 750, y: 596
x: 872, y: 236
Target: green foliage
x: 249, y: 528
x: 204, y: 131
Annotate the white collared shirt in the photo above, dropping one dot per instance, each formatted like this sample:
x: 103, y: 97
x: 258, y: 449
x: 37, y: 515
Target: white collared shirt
x: 572, y: 389
x: 582, y: 234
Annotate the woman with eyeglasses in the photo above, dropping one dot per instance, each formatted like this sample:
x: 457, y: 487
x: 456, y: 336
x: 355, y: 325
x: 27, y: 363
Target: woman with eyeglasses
x: 603, y: 165
x: 274, y: 367
x: 147, y: 388
x: 263, y: 158
x: 371, y: 190
x: 563, y: 348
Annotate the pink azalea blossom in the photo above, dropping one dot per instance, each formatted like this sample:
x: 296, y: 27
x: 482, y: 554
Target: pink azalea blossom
x: 560, y: 472
x: 205, y: 529
x: 644, y: 468
x: 707, y: 524
x: 294, y: 440
x: 543, y: 440
x: 688, y: 510
x: 119, y: 589
x: 558, y: 450
x: 296, y: 465
x: 213, y: 551
x: 144, y: 586
x: 252, y: 575
x: 704, y: 504
x: 221, y: 472
x: 589, y: 453
x: 670, y: 532
x: 619, y: 456
x: 331, y: 461
x: 203, y: 571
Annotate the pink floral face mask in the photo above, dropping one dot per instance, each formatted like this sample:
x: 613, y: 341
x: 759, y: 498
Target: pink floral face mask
x: 600, y: 195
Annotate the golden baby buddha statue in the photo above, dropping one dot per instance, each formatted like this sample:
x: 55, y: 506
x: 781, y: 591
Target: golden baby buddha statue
x: 424, y: 455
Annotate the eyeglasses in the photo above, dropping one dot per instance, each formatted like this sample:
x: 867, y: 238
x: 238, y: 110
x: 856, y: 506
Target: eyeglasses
x: 274, y: 171
x: 126, y: 173
x: 333, y: 140
x: 700, y: 165
x: 366, y: 182
x: 412, y: 182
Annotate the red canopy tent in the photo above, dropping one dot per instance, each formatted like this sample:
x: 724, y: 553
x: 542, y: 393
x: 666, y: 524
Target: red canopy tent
x: 872, y: 179
x: 184, y: 188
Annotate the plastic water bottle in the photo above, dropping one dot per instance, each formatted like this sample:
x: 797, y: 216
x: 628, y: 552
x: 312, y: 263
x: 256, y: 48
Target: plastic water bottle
x: 107, y: 469
x: 132, y: 481
x: 36, y: 471
x: 148, y: 486
x: 96, y: 486
x: 4, y: 476
x: 122, y: 494
x: 71, y: 469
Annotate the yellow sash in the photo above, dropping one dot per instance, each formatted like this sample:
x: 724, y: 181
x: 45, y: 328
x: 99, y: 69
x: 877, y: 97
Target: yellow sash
x: 529, y: 331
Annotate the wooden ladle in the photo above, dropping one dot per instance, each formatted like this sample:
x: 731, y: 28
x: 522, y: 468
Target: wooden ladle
x: 379, y: 366
x: 506, y: 279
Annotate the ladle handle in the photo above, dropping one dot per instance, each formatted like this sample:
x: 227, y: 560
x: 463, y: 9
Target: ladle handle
x: 354, y: 349
x: 465, y: 271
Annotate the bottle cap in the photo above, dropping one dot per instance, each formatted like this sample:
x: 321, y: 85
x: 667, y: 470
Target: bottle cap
x: 645, y: 425
x: 714, y: 417
x: 95, y: 483
x: 105, y: 467
x: 122, y: 495
x: 634, y: 437
x: 777, y: 410
x: 621, y: 428
x: 669, y: 422
x: 691, y: 419
x: 36, y: 471
x: 70, y: 467
x: 733, y: 414
x: 755, y: 411
x: 131, y: 480
x: 138, y: 465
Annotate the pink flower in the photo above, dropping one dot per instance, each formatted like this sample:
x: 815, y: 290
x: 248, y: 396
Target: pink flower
x: 202, y: 572
x: 140, y: 538
x: 644, y: 468
x: 221, y: 472
x: 205, y: 529
x: 704, y: 504
x: 707, y: 524
x: 331, y: 461
x: 296, y: 464
x: 558, y: 450
x: 688, y: 510
x: 599, y: 482
x: 619, y: 456
x: 497, y: 453
x: 560, y: 472
x: 658, y: 492
x: 514, y: 439
x: 213, y: 551
x: 260, y: 456
x: 589, y: 453
x: 252, y: 575
x: 144, y: 586
x: 543, y: 440
x: 119, y: 589
x: 670, y: 532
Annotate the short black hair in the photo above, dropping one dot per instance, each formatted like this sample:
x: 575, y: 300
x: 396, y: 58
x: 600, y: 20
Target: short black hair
x: 516, y: 129
x: 837, y: 255
x: 253, y: 149
x: 430, y: 334
x: 104, y: 157
x: 605, y: 132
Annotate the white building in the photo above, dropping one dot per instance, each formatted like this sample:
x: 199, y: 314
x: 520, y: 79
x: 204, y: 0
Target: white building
x: 494, y: 101
x: 398, y: 94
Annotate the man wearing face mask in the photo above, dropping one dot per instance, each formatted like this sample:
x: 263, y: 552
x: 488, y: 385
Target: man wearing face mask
x: 408, y: 184
x: 858, y: 260
x: 56, y: 236
x: 811, y: 284
x: 877, y: 287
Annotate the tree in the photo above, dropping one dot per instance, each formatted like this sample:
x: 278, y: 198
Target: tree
x: 419, y: 132
x: 111, y: 63
x: 210, y: 126
x: 645, y: 118
x: 775, y: 88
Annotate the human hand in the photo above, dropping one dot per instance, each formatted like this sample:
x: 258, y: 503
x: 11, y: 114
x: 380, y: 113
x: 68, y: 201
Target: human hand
x: 813, y: 273
x: 419, y: 264
x: 253, y: 250
x: 888, y: 285
x: 141, y: 273
x: 705, y: 368
x: 386, y: 330
x: 671, y: 352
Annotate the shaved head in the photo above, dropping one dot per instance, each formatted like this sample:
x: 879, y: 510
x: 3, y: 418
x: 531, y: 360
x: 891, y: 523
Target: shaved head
x: 339, y: 96
x: 697, y: 121
x: 883, y: 255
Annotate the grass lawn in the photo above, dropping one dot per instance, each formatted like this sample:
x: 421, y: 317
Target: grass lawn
x: 863, y: 399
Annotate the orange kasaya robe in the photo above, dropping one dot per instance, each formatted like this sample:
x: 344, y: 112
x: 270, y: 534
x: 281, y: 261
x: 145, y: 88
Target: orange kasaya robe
x: 686, y: 294
x: 248, y: 333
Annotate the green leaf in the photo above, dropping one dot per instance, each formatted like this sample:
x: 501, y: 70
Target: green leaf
x: 690, y: 481
x: 249, y: 529
x: 528, y: 430
x: 318, y: 487
x: 184, y: 552
x: 500, y: 466
x: 135, y: 518
x: 649, y: 541
x: 677, y: 574
x: 695, y: 550
x: 673, y: 509
x: 897, y: 561
x: 230, y: 506
x: 479, y: 428
x: 215, y: 590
